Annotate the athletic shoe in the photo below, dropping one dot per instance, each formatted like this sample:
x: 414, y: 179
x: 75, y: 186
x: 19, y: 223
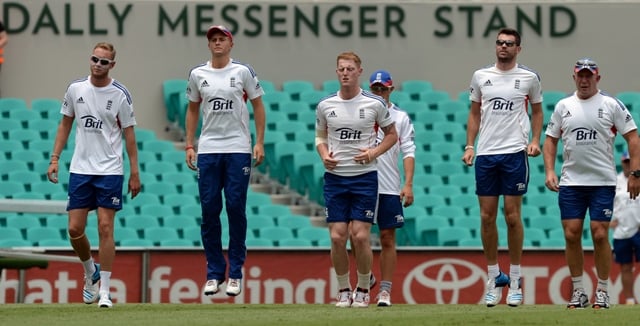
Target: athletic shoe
x: 384, y: 299
x: 579, y: 300
x: 602, y: 300
x: 212, y: 287
x: 105, y: 301
x: 494, y: 289
x: 514, y: 296
x: 372, y: 281
x: 344, y: 298
x: 91, y: 286
x: 360, y: 298
x: 234, y: 287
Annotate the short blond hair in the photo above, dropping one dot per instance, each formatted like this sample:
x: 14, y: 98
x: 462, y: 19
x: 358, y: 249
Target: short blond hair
x: 107, y: 46
x: 349, y: 55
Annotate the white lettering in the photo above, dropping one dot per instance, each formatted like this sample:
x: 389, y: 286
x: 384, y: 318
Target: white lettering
x: 529, y: 275
x: 156, y: 283
x: 64, y: 284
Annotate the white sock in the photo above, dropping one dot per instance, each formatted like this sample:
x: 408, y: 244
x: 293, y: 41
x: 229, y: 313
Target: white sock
x: 577, y: 282
x: 363, y: 280
x: 343, y: 281
x: 105, y: 277
x: 603, y: 285
x: 89, y: 267
x: 514, y: 275
x: 493, y: 271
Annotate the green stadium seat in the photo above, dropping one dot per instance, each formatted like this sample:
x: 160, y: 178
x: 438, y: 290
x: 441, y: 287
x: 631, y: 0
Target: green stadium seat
x: 257, y: 222
x: 553, y: 243
x: 268, y: 86
x: 6, y: 125
x: 450, y: 236
x: 156, y: 210
x: 294, y: 169
x: 295, y: 242
x: 145, y: 135
x: 285, y: 154
x: 470, y: 242
x: 295, y: 87
x: 176, y: 243
x: 415, y: 86
x: 9, y: 188
x: 314, y: 234
x: 48, y: 108
x: 549, y: 100
x: 293, y: 109
x: 179, y: 222
x: 430, y: 119
x: 272, y: 100
x: 8, y: 104
x: 39, y: 233
x: 535, y: 235
x: 124, y: 233
x: 447, y: 190
x: 276, y: 234
x: 136, y: 243
x: 27, y: 117
x: 175, y: 201
x: 427, y: 229
x: 463, y: 96
x: 273, y: 210
x: 256, y: 199
x: 10, y: 232
x: 398, y: 96
x: 628, y: 98
x: 193, y: 234
x: 11, y: 166
x: 429, y: 201
x: 257, y: 242
x: 312, y: 97
x: 14, y: 243
x: 331, y: 86
x: 472, y: 223
x: 24, y: 136
x: 294, y: 222
x: 56, y: 221
x: 454, y: 110
x: 48, y: 189
x: 177, y: 158
x: 412, y: 108
x: 53, y: 243
x: 158, y: 146
x: 545, y: 223
x: 140, y: 222
x: 432, y: 97
x: 446, y: 168
x: 172, y: 90
x: 159, y: 233
x: 160, y: 189
x: 30, y: 157
x: 23, y: 222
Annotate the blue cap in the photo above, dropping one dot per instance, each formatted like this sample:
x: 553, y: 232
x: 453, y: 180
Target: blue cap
x: 586, y: 63
x: 381, y: 77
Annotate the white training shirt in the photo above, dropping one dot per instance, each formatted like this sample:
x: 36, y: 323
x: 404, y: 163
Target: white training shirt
x: 504, y: 98
x: 351, y: 125
x: 588, y: 129
x: 222, y: 94
x: 388, y: 169
x: 101, y: 113
x: 625, y: 210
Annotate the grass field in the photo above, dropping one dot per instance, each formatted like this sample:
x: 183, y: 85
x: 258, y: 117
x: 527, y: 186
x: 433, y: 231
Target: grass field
x: 230, y: 314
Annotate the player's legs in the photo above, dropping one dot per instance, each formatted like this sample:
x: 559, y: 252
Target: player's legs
x: 600, y: 208
x: 236, y: 183
x: 389, y: 216
x: 515, y: 231
x: 210, y: 176
x: 489, y: 228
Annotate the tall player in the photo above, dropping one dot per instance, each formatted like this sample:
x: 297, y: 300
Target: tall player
x: 588, y: 122
x: 218, y: 89
x: 346, y: 129
x: 500, y: 96
x: 104, y: 113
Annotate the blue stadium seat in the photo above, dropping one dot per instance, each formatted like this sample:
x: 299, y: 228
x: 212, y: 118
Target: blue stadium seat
x: 295, y: 87
x: 46, y: 107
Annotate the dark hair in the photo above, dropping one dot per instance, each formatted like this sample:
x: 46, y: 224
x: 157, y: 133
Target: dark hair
x: 511, y: 31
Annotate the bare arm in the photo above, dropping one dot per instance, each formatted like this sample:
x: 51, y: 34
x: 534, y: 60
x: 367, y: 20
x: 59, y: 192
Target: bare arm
x: 259, y: 117
x: 132, y: 151
x: 4, y: 39
x: 191, y: 124
x: 550, y: 149
x: 62, y: 135
x: 536, y: 129
x: 633, y: 144
x: 473, y: 126
x: 390, y: 138
x: 406, y: 194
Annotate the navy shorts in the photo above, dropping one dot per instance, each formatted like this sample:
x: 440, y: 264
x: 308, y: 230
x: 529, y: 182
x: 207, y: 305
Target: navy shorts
x: 389, y: 214
x: 502, y: 174
x: 93, y: 191
x: 624, y: 250
x: 575, y: 200
x: 350, y: 198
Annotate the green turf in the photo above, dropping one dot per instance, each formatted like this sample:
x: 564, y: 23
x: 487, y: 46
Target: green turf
x: 243, y: 314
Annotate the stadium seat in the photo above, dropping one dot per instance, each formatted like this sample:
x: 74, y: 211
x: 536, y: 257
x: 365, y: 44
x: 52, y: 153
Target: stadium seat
x: 628, y: 98
x: 432, y: 97
x: 136, y: 243
x: 268, y: 86
x: 176, y: 243
x: 275, y: 234
x: 283, y: 158
x: 399, y: 96
x: 172, y: 90
x: 193, y: 234
x: 294, y: 222
x: 8, y: 104
x: 53, y: 243
x: 472, y: 223
x: 10, y: 232
x: 30, y: 157
x: 48, y: 108
x: 295, y: 242
x: 158, y: 233
x: 9, y: 188
x: 429, y: 201
x: 470, y: 242
x: 549, y: 100
x: 451, y: 236
x: 125, y: 233
x: 177, y: 158
x: 447, y: 190
x: 412, y: 108
x: 24, y: 136
x: 313, y: 233
x: 160, y: 188
x: 272, y: 100
x: 144, y: 135
x: 331, y: 86
x: 454, y: 109
x: 257, y: 222
x: 255, y: 199
x: 156, y: 210
x: 535, y: 235
x: 414, y: 87
x: 140, y: 222
x: 56, y: 221
x: 553, y: 243
x: 257, y: 242
x: 39, y: 233
x: 14, y: 243
x: 23, y: 222
x: 25, y: 117
x: 295, y: 87
x: 427, y: 229
x: 158, y: 146
x: 545, y: 223
x: 179, y: 222
x: 312, y: 97
x: 175, y: 201
x: 6, y: 125
x: 273, y: 210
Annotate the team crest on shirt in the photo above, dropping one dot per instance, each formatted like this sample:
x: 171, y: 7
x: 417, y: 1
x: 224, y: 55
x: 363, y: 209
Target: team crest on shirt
x: 109, y: 105
x: 516, y: 84
x: 361, y: 113
x: 232, y: 82
x: 600, y: 113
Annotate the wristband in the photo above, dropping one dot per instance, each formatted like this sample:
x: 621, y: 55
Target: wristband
x: 188, y: 148
x: 468, y: 147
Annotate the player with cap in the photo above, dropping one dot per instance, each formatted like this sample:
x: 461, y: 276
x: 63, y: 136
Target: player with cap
x: 626, y: 225
x: 588, y: 122
x: 391, y: 195
x: 500, y: 95
x: 219, y: 89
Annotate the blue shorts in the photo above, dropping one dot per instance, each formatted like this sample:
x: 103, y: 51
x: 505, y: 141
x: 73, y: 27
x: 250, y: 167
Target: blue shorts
x: 93, y: 191
x: 624, y: 250
x: 502, y: 174
x: 389, y: 214
x: 575, y: 200
x: 351, y: 198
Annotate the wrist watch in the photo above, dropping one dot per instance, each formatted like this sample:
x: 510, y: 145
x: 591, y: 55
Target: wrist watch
x: 635, y: 173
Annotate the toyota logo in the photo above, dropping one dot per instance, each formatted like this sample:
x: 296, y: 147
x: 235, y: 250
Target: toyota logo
x: 446, y: 278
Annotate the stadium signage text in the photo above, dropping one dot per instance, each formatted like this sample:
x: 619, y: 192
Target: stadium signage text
x: 284, y: 20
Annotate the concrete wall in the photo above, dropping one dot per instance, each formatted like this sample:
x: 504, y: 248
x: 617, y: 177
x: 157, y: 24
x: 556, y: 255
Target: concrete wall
x: 441, y: 41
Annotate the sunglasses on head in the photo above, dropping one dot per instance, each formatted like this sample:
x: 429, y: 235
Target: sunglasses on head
x: 508, y: 43
x: 101, y: 61
x: 380, y: 88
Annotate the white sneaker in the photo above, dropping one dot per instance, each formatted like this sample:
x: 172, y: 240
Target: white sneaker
x: 234, y: 287
x: 212, y: 287
x: 514, y: 297
x: 360, y: 299
x: 494, y: 289
x: 344, y: 299
x: 105, y: 301
x: 91, y: 286
x: 384, y: 299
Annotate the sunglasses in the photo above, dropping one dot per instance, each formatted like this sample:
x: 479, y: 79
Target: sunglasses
x: 101, y: 61
x: 380, y: 88
x: 508, y: 43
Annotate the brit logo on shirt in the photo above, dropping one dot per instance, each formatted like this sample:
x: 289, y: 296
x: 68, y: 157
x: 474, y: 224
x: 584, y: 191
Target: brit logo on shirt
x: 232, y: 82
x: 516, y: 85
x: 361, y: 113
